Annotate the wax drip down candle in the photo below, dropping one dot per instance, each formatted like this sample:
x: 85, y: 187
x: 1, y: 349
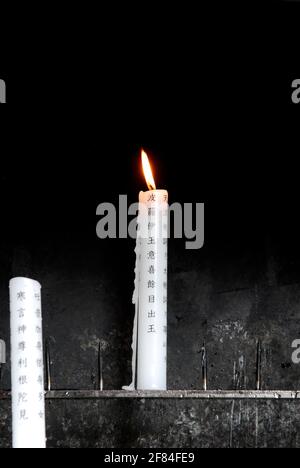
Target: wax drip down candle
x: 27, y: 370
x: 2, y: 356
x: 149, y: 364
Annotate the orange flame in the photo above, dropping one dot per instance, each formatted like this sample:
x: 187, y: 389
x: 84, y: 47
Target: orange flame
x: 148, y: 172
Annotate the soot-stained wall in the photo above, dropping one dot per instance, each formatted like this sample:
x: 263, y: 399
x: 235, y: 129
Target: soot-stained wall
x: 224, y: 294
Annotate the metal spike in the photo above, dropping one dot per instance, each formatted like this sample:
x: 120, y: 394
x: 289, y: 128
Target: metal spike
x: 100, y: 366
x: 204, y: 367
x: 258, y: 366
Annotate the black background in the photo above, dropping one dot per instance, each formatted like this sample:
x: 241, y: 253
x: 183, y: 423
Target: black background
x: 207, y: 93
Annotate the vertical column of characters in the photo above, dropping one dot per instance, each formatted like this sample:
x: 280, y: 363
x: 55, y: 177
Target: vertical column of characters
x: 162, y: 279
x: 28, y: 405
x: 151, y: 259
x: 165, y: 233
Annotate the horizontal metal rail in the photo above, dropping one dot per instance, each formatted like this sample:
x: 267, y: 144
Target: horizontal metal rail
x: 169, y: 394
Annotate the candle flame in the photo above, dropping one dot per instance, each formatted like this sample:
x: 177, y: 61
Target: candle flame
x: 148, y: 171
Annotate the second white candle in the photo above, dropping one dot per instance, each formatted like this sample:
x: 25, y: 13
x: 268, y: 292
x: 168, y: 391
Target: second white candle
x: 27, y: 371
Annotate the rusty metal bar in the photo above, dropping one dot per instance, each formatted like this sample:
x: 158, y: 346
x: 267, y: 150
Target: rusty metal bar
x: 169, y: 394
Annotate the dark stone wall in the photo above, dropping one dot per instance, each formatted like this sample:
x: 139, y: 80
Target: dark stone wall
x: 226, y: 294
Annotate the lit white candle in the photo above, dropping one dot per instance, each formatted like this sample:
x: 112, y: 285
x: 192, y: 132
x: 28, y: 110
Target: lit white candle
x: 152, y: 298
x: 27, y: 370
x: 149, y: 363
